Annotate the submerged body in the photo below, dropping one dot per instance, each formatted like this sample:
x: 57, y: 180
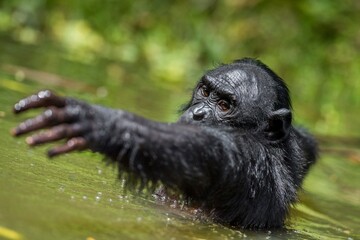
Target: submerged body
x: 234, y: 150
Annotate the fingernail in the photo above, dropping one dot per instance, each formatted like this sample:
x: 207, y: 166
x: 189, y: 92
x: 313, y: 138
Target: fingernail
x: 30, y: 140
x: 16, y: 108
x: 14, y: 132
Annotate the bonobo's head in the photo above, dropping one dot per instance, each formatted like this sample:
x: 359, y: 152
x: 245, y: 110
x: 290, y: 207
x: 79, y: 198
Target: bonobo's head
x: 245, y: 94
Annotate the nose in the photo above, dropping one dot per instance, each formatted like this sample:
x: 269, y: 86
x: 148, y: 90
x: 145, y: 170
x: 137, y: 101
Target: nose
x: 199, y: 113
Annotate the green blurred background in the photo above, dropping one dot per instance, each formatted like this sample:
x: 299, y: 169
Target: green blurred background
x: 167, y: 45
x: 145, y: 57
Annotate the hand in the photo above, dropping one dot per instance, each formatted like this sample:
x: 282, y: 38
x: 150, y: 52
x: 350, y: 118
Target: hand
x: 64, y: 117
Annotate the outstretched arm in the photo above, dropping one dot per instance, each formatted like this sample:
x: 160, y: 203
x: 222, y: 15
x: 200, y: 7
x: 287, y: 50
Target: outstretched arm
x: 182, y: 156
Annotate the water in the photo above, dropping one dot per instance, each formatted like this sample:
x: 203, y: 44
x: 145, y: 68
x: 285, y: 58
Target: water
x: 77, y: 196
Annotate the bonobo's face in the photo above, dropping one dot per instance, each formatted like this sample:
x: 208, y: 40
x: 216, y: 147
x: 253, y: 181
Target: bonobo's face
x: 236, y: 95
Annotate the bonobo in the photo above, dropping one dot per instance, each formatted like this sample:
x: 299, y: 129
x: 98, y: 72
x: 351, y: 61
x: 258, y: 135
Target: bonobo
x: 234, y: 151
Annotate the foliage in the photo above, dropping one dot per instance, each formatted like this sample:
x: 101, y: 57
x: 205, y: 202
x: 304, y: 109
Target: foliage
x: 313, y: 45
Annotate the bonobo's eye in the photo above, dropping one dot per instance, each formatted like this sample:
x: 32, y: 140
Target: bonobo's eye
x: 204, y: 91
x: 224, y: 105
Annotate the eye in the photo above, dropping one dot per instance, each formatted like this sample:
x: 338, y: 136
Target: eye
x: 224, y: 105
x: 204, y: 91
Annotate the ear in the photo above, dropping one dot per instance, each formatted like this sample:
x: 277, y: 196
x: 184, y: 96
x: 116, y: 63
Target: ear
x: 279, y: 123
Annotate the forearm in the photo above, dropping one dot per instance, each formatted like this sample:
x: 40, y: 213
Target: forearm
x: 171, y: 153
x: 187, y: 157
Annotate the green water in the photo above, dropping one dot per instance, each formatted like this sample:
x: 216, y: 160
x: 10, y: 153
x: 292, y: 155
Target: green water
x: 77, y: 196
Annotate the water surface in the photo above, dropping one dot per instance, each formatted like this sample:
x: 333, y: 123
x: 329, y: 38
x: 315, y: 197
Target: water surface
x: 76, y: 196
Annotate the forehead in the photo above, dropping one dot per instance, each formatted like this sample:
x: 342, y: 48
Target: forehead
x: 235, y: 79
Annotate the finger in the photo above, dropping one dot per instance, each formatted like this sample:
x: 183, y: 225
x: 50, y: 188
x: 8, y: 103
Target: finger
x: 56, y: 133
x: 73, y: 144
x: 42, y: 99
x: 50, y: 117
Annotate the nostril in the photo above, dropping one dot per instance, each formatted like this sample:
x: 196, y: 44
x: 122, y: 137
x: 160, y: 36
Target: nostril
x: 198, y: 114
